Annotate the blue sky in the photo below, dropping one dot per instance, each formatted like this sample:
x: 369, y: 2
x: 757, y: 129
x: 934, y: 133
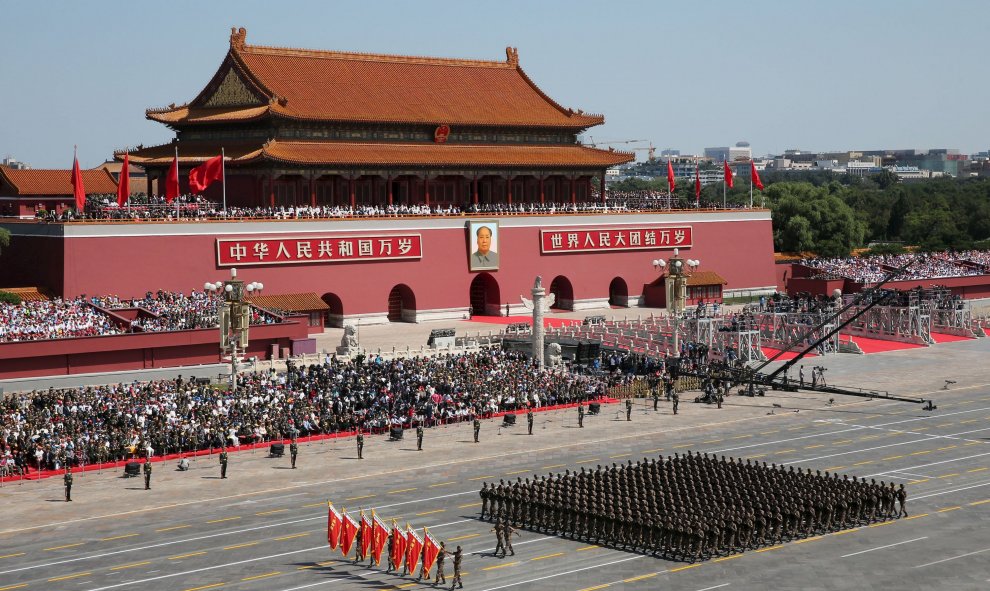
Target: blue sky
x: 843, y: 74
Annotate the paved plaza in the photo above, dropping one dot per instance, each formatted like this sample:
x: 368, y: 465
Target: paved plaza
x: 264, y: 527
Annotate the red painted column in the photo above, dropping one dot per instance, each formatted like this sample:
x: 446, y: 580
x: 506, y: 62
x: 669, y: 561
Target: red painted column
x: 508, y: 190
x: 426, y: 189
x: 474, y: 182
x: 350, y: 182
x: 312, y: 191
x: 271, y: 190
x: 388, y: 180
x: 573, y: 190
x: 602, y: 189
x: 542, y: 196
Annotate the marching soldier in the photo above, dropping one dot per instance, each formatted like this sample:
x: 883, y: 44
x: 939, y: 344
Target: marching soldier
x: 902, y: 500
x: 529, y: 420
x: 629, y: 405
x: 458, y: 555
x: 485, y: 495
x: 358, y: 555
x: 441, y: 555
x: 293, y: 452
x: 677, y: 400
x: 223, y: 462
x: 419, y: 437
x: 581, y: 415
x: 477, y: 429
x: 499, y: 539
x: 67, y: 479
x: 360, y: 445
x: 147, y: 474
x: 389, y: 549
x: 656, y: 397
x: 508, y: 530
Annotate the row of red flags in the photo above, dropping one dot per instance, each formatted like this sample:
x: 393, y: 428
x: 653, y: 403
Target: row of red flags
x: 407, y: 546
x: 754, y: 175
x: 200, y: 178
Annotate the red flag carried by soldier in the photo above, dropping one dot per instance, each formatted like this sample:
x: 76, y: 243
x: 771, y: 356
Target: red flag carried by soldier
x: 398, y: 545
x: 414, y: 546
x: 348, y: 531
x: 379, y: 534
x: 365, y: 534
x: 431, y: 548
x: 334, y: 523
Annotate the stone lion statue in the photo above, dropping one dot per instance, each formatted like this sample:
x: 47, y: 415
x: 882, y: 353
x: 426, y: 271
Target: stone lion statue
x: 349, y: 340
x: 554, y: 357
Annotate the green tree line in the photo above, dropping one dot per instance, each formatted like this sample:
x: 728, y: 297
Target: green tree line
x: 831, y: 215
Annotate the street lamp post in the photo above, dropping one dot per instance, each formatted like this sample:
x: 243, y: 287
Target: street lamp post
x: 235, y: 317
x: 677, y: 272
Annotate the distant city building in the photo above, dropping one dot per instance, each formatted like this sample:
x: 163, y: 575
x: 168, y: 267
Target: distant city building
x: 15, y: 164
x: 741, y: 151
x: 718, y: 154
x: 670, y: 153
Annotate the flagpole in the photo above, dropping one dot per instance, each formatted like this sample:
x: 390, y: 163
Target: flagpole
x: 751, y: 165
x: 725, y: 183
x: 177, y: 178
x: 223, y: 171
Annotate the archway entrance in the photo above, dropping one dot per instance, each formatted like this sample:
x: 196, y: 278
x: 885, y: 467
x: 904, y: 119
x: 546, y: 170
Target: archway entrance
x: 335, y: 315
x: 485, y: 296
x: 561, y: 288
x: 401, y: 304
x: 618, y: 293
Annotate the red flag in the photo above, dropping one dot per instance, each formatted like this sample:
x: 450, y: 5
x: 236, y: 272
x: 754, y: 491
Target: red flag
x: 697, y: 184
x: 172, y: 181
x: 431, y: 549
x: 203, y: 175
x: 124, y: 183
x: 755, y: 175
x: 366, y: 533
x: 414, y: 546
x: 334, y: 523
x: 728, y: 174
x: 78, y: 190
x: 379, y: 534
x: 398, y: 545
x: 348, y: 531
x: 670, y: 177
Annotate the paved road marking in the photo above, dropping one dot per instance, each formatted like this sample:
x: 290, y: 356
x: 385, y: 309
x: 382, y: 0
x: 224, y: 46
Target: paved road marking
x: 883, y: 547
x: 785, y: 451
x: 552, y: 466
x: 445, y: 483
x: 358, y: 498
x: 118, y: 537
x: 596, y: 587
x: 132, y: 565
x: 481, y: 478
x: 181, y: 556
x: 977, y: 470
x: 65, y: 546
x: 984, y: 501
x: 737, y: 437
x: 264, y: 576
x: 954, y: 558
x: 12, y: 555
x: 769, y: 432
x: 712, y: 441
x: 469, y: 505
x: 918, y: 481
x: 500, y: 565
x: 921, y: 453
x: 812, y: 539
x: 947, y: 447
x: 814, y: 446
x: 273, y: 511
x: 244, y: 545
x: 724, y: 558
x: 8, y: 588
x: 769, y: 548
x: 948, y: 509
x: 619, y: 456
x: 916, y: 516
x: 680, y: 568
x: 715, y: 587
x: 67, y: 577
x: 863, y: 463
x: 759, y: 456
x: 639, y: 578
x: 226, y: 519
x: 590, y: 460
x: 206, y: 587
x: 843, y: 442
x: 309, y: 566
x: 832, y: 468
x: 401, y: 490
x: 584, y: 548
x: 892, y: 458
x: 683, y: 445
x: 545, y: 556
x: 464, y: 537
x: 314, y: 505
x: 948, y: 475
x: 845, y: 531
x: 293, y: 536
x: 517, y: 472
x: 430, y: 512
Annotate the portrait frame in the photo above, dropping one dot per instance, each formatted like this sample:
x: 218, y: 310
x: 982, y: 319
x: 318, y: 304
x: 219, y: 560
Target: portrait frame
x: 475, y: 256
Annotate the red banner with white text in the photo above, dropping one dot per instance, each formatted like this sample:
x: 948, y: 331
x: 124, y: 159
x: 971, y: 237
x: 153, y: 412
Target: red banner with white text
x: 241, y: 252
x: 610, y: 239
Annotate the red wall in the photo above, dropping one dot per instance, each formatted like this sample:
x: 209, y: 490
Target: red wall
x: 740, y: 251
x: 134, y: 351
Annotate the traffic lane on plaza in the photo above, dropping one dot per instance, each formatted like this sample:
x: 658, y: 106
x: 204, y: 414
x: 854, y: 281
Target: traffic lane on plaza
x: 425, y: 512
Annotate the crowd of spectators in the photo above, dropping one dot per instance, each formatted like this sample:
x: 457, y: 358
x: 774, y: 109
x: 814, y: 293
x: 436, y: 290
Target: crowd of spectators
x: 53, y: 319
x: 50, y: 428
x: 930, y: 265
x: 163, y: 311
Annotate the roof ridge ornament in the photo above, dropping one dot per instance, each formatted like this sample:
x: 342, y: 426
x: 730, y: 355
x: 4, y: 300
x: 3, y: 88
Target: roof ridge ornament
x: 238, y: 38
x: 512, y: 56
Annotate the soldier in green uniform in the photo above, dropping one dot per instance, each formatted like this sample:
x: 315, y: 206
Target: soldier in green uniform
x: 529, y: 420
x: 508, y: 531
x: 441, y: 578
x: 293, y: 452
x: 147, y: 474
x: 67, y: 479
x: 419, y: 437
x: 458, y: 555
x: 223, y: 462
x: 628, y: 409
x: 677, y: 400
x: 581, y: 415
x: 656, y: 397
x: 360, y: 445
x: 499, y: 539
x: 477, y: 429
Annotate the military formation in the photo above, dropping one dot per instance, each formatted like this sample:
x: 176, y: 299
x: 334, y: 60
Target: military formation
x: 691, y: 507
